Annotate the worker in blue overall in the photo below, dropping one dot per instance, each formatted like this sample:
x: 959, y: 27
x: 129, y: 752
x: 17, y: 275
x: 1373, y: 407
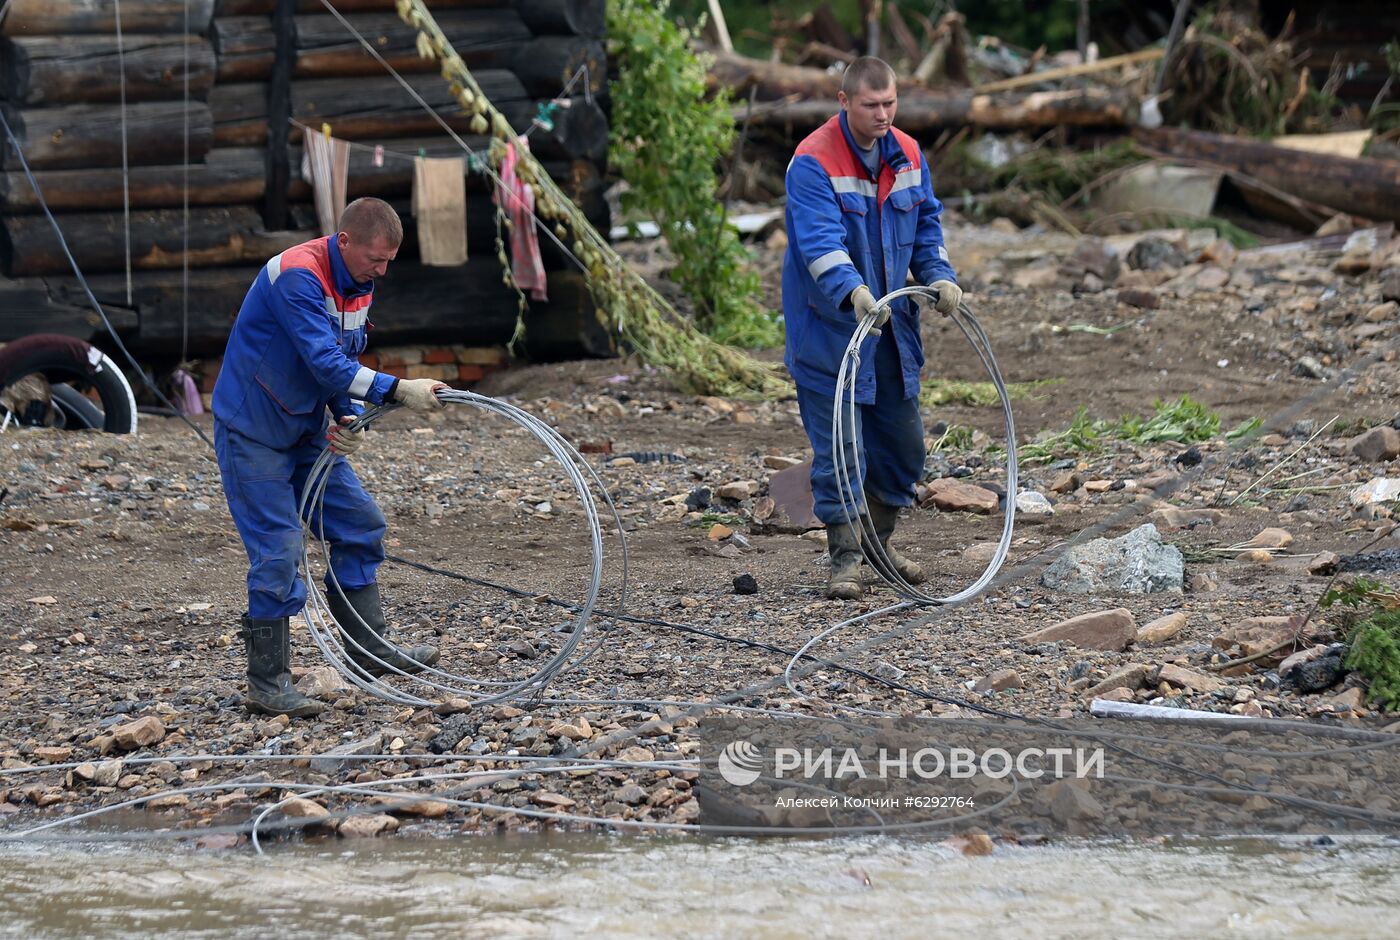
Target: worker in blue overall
x: 861, y: 215
x: 292, y: 357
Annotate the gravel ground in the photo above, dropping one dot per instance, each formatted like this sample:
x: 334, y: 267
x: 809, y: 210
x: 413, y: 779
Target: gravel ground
x: 124, y: 576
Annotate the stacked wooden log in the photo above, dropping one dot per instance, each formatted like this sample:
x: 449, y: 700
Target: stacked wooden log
x: 203, y: 82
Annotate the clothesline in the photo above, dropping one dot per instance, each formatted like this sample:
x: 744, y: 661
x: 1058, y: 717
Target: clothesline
x: 447, y: 128
x: 475, y: 160
x: 439, y: 201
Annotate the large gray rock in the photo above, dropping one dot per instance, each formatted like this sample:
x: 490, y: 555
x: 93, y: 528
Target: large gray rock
x: 1137, y: 563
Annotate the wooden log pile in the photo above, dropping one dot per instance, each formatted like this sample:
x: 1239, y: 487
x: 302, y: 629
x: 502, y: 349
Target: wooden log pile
x: 203, y: 85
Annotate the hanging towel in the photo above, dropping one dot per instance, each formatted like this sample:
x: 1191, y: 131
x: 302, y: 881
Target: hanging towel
x: 440, y: 206
x: 185, y: 393
x: 517, y: 198
x: 325, y: 162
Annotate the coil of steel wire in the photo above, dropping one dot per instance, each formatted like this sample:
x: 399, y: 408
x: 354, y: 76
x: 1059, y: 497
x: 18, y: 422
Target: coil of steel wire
x: 436, y: 684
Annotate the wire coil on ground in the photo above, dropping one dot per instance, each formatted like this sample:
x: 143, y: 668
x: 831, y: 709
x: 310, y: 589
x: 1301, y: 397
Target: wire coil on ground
x: 844, y: 417
x: 437, y: 684
x: 844, y: 421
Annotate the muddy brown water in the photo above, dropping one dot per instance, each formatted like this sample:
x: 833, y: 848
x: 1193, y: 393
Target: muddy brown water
x: 568, y: 885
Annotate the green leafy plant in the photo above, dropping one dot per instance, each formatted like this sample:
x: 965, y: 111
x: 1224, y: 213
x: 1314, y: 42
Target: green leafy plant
x: 957, y: 437
x: 1184, y: 421
x: 1375, y: 653
x: 1372, y: 618
x: 627, y: 304
x: 1084, y: 435
x: 1245, y: 428
x: 1359, y: 593
x: 666, y: 139
x: 935, y: 392
x: 1384, y: 116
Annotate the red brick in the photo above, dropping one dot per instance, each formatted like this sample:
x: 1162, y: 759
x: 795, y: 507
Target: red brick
x: 481, y: 355
x: 209, y: 373
x: 470, y: 373
x: 441, y: 373
x: 438, y: 356
x: 397, y: 369
x: 370, y: 360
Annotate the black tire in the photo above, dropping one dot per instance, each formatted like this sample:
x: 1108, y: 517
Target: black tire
x: 78, y: 411
x: 63, y: 359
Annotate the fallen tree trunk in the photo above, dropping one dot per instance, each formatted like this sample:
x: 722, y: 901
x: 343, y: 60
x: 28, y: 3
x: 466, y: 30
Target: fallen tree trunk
x: 487, y: 39
x: 38, y: 17
x: 217, y: 236
x: 83, y: 135
x: 360, y: 109
x: 46, y: 70
x: 1080, y: 107
x: 1357, y: 185
x: 544, y: 17
x: 774, y: 80
x: 805, y: 97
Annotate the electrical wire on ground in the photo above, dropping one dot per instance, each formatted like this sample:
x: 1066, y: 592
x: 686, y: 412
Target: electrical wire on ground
x: 350, y: 658
x: 469, y: 780
x: 846, y: 451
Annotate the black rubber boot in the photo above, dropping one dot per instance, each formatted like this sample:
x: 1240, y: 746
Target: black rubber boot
x: 883, y: 518
x: 360, y: 614
x: 843, y: 542
x: 270, y: 691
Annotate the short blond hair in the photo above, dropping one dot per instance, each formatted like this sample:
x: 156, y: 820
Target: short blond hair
x: 368, y: 218
x: 869, y: 73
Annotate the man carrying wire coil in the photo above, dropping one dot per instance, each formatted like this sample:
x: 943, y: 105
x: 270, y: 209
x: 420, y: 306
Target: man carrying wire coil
x: 293, y: 355
x: 861, y: 214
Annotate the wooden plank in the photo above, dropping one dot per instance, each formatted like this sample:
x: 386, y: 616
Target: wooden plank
x: 48, y: 70
x: 1339, y: 143
x: 82, y: 135
x: 66, y: 17
x: 1071, y: 71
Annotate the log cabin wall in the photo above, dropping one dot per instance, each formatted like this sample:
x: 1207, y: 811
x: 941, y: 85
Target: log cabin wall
x: 60, y: 90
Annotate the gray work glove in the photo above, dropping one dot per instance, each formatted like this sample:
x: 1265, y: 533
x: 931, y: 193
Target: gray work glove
x: 419, y: 394
x: 949, y: 296
x: 863, y: 303
x: 344, y: 441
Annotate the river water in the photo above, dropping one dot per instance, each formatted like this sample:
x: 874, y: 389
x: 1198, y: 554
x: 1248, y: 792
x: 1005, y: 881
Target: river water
x: 569, y: 885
